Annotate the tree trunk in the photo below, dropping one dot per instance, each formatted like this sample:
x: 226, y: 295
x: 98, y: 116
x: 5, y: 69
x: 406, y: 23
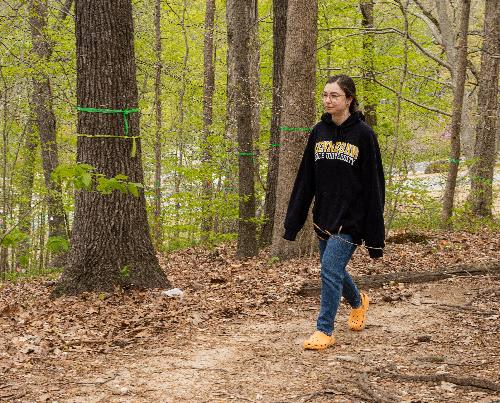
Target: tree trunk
x: 451, y: 180
x: 111, y: 244
x: 157, y: 231
x: 238, y: 32
x: 208, y: 96
x: 46, y: 120
x: 484, y: 150
x: 448, y: 29
x: 3, y: 218
x: 254, y: 81
x: 299, y: 100
x: 180, y: 139
x: 279, y: 39
x: 27, y: 179
x: 369, y: 105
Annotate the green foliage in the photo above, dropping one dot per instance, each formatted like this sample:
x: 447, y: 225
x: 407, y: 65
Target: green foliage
x: 124, y: 272
x: 56, y: 243
x: 13, y: 238
x: 82, y: 176
x: 420, y: 137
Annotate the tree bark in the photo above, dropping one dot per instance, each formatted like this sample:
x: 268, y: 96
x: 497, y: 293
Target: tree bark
x: 485, y: 153
x: 451, y: 180
x: 254, y: 81
x: 299, y: 101
x: 369, y: 105
x: 238, y: 32
x: 157, y: 231
x: 27, y: 179
x: 46, y: 120
x: 208, y: 96
x: 279, y: 40
x: 180, y: 135
x: 111, y: 244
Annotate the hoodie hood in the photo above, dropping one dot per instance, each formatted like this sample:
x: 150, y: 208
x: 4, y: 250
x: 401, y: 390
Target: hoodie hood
x: 352, y: 120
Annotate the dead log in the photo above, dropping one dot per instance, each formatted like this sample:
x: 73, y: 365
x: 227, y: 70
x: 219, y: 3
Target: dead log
x: 312, y: 288
x: 446, y: 377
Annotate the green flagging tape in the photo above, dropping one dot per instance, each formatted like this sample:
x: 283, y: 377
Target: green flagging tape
x: 485, y: 179
x: 452, y: 160
x: 274, y: 145
x: 125, y: 113
x: 298, y: 129
x: 134, y: 146
x: 245, y: 153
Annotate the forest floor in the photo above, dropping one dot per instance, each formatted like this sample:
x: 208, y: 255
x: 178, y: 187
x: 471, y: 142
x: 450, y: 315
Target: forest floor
x: 236, y: 334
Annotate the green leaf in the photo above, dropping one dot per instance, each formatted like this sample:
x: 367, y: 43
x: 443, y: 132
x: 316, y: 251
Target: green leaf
x: 86, y: 179
x: 120, y: 176
x: 101, y: 297
x: 133, y: 189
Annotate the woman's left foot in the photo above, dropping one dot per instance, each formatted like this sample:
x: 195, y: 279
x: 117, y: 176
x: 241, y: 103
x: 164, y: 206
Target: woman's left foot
x: 358, y: 316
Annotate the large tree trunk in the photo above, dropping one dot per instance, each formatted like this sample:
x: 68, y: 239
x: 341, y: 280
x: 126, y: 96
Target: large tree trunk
x: 451, y: 180
x: 111, y: 244
x: 46, y: 120
x: 279, y: 39
x: 299, y: 100
x: 208, y: 96
x: 238, y: 33
x: 484, y: 150
x: 157, y: 231
x: 254, y: 81
x: 369, y: 105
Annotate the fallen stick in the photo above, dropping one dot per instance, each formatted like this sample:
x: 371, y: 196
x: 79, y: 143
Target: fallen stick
x: 312, y: 288
x: 457, y: 380
x: 464, y: 309
x: 77, y: 342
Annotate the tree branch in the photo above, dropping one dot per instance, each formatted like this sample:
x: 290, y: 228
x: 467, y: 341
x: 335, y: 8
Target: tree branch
x: 389, y: 30
x: 429, y: 108
x: 428, y: 15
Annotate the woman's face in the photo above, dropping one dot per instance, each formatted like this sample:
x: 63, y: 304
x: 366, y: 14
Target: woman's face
x: 334, y: 100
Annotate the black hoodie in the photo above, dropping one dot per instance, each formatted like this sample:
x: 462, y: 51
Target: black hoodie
x: 342, y: 169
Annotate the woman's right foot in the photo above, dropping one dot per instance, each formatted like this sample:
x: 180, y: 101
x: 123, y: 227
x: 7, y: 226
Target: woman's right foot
x: 318, y: 341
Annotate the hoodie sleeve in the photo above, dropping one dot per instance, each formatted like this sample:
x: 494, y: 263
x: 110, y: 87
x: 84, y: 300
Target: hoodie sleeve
x: 373, y: 196
x: 303, y: 192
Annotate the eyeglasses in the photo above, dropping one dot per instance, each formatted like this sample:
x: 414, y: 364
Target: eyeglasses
x: 332, y: 96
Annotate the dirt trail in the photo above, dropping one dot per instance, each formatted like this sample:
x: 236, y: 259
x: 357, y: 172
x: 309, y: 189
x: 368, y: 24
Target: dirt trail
x: 210, y: 350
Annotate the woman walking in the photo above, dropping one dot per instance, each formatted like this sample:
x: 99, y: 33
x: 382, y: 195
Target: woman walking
x: 342, y: 169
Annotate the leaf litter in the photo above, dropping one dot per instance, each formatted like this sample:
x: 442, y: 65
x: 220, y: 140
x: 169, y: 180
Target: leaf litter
x: 235, y: 333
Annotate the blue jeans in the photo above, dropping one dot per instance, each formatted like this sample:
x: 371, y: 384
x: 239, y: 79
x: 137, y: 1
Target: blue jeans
x: 335, y: 280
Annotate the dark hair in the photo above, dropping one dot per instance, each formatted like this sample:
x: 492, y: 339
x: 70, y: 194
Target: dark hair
x: 347, y: 85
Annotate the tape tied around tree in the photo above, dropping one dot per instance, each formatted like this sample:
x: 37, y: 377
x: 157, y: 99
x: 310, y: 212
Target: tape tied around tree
x: 484, y: 179
x: 125, y: 113
x: 274, y: 145
x: 245, y: 154
x: 452, y: 160
x: 297, y: 129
